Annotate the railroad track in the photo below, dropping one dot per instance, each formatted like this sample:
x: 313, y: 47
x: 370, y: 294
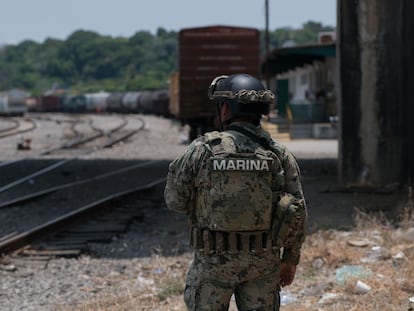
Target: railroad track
x: 83, y: 140
x: 70, y: 221
x: 107, y: 138
x: 19, y: 126
x: 91, y: 137
x: 14, y: 124
x: 45, y: 204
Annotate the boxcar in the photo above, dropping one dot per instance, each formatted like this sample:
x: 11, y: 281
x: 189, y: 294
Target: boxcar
x: 49, y: 103
x: 205, y: 53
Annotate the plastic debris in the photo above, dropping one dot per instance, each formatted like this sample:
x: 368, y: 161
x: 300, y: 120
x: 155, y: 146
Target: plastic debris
x: 346, y: 272
x: 411, y: 304
x: 399, y: 255
x: 10, y: 268
x: 398, y: 259
x: 159, y: 270
x: 142, y: 282
x: 360, y: 243
x: 361, y: 287
x: 287, y: 298
x: 318, y: 263
x: 375, y: 254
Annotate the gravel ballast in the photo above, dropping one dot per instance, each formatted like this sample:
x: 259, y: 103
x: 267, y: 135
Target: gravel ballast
x: 111, y: 269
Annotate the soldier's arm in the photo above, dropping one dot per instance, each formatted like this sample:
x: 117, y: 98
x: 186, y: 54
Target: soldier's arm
x: 296, y: 233
x: 182, y: 173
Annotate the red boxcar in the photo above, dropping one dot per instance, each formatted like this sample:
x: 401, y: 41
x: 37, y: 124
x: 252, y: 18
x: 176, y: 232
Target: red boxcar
x: 205, y: 53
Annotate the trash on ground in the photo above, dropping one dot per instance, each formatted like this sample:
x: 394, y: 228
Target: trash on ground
x: 287, y: 298
x: 376, y: 254
x: 349, y: 271
x: 360, y: 243
x: 318, y: 263
x: 361, y: 287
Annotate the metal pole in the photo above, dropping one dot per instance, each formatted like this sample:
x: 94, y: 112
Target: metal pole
x: 267, y: 44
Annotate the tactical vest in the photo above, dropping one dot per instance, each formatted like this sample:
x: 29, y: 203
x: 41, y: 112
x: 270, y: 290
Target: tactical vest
x: 236, y: 187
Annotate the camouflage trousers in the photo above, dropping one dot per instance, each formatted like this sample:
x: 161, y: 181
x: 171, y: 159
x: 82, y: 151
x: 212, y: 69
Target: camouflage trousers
x: 252, y: 278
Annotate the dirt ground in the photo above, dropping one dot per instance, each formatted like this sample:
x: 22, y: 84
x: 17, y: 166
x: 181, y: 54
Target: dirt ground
x: 331, y: 206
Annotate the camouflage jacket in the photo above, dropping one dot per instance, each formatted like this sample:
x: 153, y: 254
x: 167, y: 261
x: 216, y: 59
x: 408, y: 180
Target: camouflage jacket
x: 184, y: 173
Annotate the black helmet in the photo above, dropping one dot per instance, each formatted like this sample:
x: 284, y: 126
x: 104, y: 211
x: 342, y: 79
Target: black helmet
x: 245, y: 94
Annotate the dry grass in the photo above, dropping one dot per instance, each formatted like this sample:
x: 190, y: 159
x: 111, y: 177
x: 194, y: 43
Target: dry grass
x: 391, y: 276
x: 158, y: 287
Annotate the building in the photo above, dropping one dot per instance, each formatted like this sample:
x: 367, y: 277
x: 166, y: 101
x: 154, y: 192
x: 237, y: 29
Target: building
x: 305, y: 79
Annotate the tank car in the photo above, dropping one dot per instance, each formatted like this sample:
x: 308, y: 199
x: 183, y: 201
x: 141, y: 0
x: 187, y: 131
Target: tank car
x: 145, y: 102
x: 13, y: 103
x: 155, y: 102
x: 114, y: 102
x: 96, y: 102
x: 130, y: 102
x: 160, y: 102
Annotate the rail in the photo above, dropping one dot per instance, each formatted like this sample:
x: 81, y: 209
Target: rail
x: 16, y: 241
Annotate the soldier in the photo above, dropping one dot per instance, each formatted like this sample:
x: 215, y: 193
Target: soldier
x: 243, y: 196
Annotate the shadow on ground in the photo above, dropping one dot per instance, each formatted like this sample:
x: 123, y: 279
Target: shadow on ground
x: 331, y: 206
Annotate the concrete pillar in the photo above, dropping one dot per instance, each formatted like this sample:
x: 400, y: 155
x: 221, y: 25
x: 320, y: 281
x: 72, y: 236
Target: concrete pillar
x: 375, y: 61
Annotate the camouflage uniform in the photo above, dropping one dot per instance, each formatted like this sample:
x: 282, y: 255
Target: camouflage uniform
x: 253, y: 277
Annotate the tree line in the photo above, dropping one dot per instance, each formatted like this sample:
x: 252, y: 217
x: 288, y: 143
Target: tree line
x: 89, y: 62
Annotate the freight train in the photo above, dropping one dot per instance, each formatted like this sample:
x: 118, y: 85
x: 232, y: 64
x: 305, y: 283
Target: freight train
x: 204, y: 53
x: 147, y: 102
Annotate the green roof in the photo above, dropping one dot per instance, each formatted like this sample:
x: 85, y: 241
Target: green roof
x: 284, y: 59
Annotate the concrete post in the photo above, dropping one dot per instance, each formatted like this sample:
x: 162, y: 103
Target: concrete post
x: 375, y: 58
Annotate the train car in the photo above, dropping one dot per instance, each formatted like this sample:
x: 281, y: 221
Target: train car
x: 49, y: 103
x: 145, y: 102
x: 96, y: 102
x: 130, y: 102
x: 73, y: 103
x: 205, y: 53
x: 13, y: 102
x: 155, y: 102
x: 32, y: 103
x: 114, y: 102
x: 161, y: 102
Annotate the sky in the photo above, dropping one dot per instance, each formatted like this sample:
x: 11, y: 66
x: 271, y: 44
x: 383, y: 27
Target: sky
x: 40, y: 19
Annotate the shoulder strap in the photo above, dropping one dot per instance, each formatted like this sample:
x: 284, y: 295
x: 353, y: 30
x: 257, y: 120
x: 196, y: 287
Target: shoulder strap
x: 260, y: 140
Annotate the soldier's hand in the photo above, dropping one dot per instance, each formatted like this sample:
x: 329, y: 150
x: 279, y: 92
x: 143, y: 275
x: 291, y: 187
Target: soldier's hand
x: 287, y: 274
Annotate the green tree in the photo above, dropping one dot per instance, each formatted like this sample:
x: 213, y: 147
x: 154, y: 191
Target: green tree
x: 88, y: 62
